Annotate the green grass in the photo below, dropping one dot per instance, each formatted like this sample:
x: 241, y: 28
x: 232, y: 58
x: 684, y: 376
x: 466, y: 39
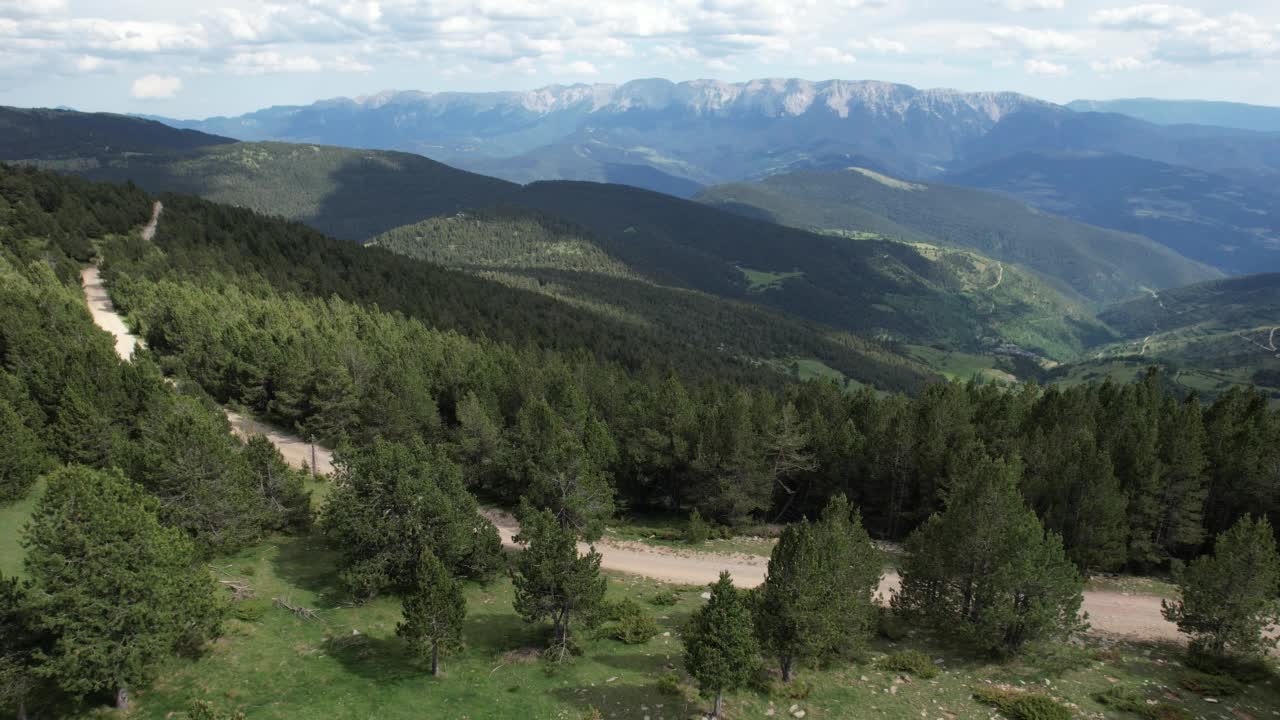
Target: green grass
x: 349, y: 664
x: 284, y: 667
x: 12, y: 519
x: 762, y: 280
x: 667, y: 530
x: 956, y: 365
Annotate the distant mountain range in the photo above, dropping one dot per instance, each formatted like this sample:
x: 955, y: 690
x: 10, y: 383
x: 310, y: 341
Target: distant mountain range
x: 1188, y: 112
x: 675, y: 137
x: 1233, y: 226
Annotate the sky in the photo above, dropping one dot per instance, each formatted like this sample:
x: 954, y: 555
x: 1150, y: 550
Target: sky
x: 226, y: 57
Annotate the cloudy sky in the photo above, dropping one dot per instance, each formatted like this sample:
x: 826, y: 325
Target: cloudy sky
x: 194, y: 59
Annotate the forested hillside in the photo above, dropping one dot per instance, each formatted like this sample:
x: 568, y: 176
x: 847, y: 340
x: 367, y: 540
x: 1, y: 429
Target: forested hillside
x: 434, y: 399
x: 349, y: 194
x: 43, y: 134
x: 1084, y: 261
x: 1232, y: 226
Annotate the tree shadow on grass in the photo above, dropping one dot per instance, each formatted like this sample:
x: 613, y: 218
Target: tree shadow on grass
x: 306, y: 562
x: 654, y: 664
x: 626, y: 701
x: 384, y: 659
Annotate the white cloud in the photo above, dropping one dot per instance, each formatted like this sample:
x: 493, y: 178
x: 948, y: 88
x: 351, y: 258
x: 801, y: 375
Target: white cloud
x: 1037, y: 66
x: 827, y: 55
x: 1025, y: 5
x: 30, y: 8
x: 880, y: 45
x: 89, y: 63
x: 156, y: 87
x: 576, y: 69
x: 1119, y: 64
x: 263, y: 62
x: 1034, y: 40
x: 1146, y: 17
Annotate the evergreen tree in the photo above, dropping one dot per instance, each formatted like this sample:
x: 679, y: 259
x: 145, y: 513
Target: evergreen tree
x: 1183, y: 479
x: 188, y: 458
x: 22, y: 456
x: 478, y: 442
x: 19, y: 642
x: 81, y: 432
x: 434, y: 609
x: 1230, y: 597
x: 986, y: 569
x: 735, y: 479
x: 565, y: 467
x: 116, y: 591
x: 720, y: 649
x: 818, y: 595
x: 281, y: 488
x: 392, y: 501
x: 552, y: 582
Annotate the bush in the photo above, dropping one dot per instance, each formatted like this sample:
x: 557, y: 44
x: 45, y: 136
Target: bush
x: 635, y: 629
x: 1022, y: 706
x: 250, y: 610
x: 664, y: 599
x: 1247, y: 670
x: 1129, y: 700
x: 204, y: 710
x: 615, y: 610
x: 1207, y: 685
x: 697, y: 531
x: 796, y: 689
x: 669, y: 684
x: 910, y: 661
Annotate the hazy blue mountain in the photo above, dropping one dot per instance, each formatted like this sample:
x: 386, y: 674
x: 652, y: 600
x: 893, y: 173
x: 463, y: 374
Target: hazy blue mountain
x: 1232, y: 226
x: 705, y: 131
x: 1088, y: 262
x: 1188, y: 112
x: 708, y: 132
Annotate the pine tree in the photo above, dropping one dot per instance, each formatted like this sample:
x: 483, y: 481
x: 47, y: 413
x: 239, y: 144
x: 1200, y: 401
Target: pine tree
x: 281, y: 488
x: 1229, y: 597
x: 720, y: 649
x: 986, y: 569
x: 117, y: 591
x: 565, y: 467
x: 1183, y: 480
x: 434, y: 609
x: 22, y: 456
x: 19, y: 641
x: 392, y: 501
x: 81, y: 432
x: 552, y: 582
x: 791, y: 620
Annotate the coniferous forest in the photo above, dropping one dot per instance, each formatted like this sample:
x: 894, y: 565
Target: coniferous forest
x: 443, y: 392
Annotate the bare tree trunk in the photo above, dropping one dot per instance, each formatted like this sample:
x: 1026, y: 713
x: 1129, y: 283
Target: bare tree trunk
x: 435, y: 659
x: 122, y: 698
x: 715, y: 712
x: 22, y: 710
x: 786, y: 669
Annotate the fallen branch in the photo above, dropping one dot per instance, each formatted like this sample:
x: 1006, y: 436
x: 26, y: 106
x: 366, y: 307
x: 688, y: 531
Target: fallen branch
x: 303, y: 612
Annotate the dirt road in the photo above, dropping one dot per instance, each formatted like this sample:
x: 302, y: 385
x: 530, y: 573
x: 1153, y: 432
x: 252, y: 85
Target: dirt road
x: 104, y: 313
x: 1116, y: 614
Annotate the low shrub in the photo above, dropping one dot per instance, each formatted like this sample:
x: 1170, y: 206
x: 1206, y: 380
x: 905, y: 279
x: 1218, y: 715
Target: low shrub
x: 664, y: 599
x: 909, y: 661
x: 1209, y: 685
x: 697, y: 530
x: 669, y: 684
x: 1125, y: 699
x: 1022, y: 705
x: 1247, y: 670
x: 796, y: 689
x: 250, y: 610
x: 635, y: 629
x: 205, y: 710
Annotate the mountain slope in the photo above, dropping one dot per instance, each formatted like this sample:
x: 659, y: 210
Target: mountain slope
x: 1087, y: 262
x: 350, y: 194
x: 1239, y: 154
x: 1188, y: 112
x: 39, y: 133
x: 1214, y: 334
x: 1232, y: 226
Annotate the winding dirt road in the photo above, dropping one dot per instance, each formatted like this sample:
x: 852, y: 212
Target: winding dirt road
x: 1110, y: 613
